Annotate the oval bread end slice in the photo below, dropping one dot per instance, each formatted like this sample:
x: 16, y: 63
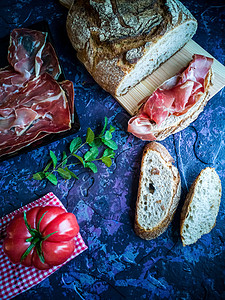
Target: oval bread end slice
x: 201, y: 206
x: 158, y: 193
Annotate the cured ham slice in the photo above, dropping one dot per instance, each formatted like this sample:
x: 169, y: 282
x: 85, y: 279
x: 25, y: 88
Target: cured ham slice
x: 30, y: 55
x: 175, y: 97
x: 40, y: 107
x: 32, y: 103
x: 25, y: 49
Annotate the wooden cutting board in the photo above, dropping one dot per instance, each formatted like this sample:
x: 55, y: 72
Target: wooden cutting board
x: 168, y: 69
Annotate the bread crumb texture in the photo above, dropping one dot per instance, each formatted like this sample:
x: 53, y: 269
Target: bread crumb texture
x: 201, y: 206
x: 155, y: 196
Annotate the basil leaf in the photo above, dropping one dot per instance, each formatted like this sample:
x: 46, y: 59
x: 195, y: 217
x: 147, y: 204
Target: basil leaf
x: 52, y: 178
x: 39, y: 175
x: 111, y: 144
x: 107, y: 161
x: 71, y: 173
x: 108, y: 152
x: 90, y: 136
x: 96, y: 143
x: 54, y: 158
x: 64, y: 173
x: 112, y: 129
x: 79, y: 158
x: 47, y: 166
x: 91, y: 154
x: 75, y: 144
x: 64, y: 159
x: 104, y: 128
x: 108, y: 135
x: 91, y: 166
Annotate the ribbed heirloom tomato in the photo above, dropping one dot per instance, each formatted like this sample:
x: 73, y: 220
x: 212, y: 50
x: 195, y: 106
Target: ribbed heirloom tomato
x: 43, y: 237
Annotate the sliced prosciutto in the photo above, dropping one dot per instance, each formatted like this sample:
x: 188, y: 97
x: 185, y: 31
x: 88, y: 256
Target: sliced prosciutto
x: 32, y: 103
x: 30, y: 55
x: 175, y: 97
x: 40, y: 107
x: 25, y: 49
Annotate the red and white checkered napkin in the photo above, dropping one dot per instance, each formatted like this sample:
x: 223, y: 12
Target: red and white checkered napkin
x: 15, y: 279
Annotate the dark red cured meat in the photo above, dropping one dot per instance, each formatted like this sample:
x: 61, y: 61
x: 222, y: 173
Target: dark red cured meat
x: 45, y: 109
x: 37, y: 139
x: 67, y: 86
x: 32, y: 103
x: 25, y: 49
x: 175, y: 97
x: 24, y: 55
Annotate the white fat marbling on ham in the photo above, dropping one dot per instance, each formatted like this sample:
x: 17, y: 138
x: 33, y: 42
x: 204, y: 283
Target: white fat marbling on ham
x: 173, y: 97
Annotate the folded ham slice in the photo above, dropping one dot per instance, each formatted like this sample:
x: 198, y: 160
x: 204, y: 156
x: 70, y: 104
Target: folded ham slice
x: 25, y: 49
x: 175, y: 97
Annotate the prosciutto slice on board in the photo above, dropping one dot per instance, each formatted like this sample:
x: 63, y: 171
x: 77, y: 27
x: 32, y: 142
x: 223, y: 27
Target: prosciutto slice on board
x: 40, y: 107
x: 174, y: 97
x: 25, y: 49
x: 32, y: 103
x: 30, y: 55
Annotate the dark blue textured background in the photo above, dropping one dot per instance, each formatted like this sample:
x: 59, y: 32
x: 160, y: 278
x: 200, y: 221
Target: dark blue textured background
x: 118, y: 264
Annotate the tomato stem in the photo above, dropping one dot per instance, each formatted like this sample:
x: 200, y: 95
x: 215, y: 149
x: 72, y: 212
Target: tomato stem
x: 36, y: 238
x: 25, y: 254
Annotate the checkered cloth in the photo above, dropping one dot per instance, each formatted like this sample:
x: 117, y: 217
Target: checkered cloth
x: 15, y: 279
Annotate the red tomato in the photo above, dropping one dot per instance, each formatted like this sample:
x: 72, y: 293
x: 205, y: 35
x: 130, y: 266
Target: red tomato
x: 43, y: 237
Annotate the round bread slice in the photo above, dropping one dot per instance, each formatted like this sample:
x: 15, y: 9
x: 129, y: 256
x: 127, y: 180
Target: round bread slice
x: 201, y: 206
x: 158, y: 194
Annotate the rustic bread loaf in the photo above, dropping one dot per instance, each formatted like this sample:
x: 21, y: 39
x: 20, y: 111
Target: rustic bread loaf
x: 122, y: 42
x: 158, y: 193
x: 201, y: 206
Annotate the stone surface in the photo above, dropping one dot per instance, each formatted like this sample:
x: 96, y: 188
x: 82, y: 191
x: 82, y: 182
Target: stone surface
x: 118, y: 264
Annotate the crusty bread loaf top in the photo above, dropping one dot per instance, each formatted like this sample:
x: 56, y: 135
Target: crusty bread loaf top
x: 112, y: 36
x: 158, y: 193
x: 201, y: 206
x: 123, y: 25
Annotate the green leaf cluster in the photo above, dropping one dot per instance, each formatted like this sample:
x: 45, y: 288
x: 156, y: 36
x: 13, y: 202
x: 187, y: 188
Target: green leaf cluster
x: 97, y: 148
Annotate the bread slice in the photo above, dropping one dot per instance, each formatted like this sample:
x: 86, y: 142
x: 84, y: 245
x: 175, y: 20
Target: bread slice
x: 201, y: 206
x: 158, y: 193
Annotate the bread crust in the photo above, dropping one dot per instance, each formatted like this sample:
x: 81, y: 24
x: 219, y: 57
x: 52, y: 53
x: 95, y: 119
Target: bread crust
x: 162, y: 226
x: 112, y: 36
x: 187, y: 203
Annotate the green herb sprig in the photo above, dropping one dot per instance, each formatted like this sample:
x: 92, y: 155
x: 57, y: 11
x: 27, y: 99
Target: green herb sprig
x: 93, y: 143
